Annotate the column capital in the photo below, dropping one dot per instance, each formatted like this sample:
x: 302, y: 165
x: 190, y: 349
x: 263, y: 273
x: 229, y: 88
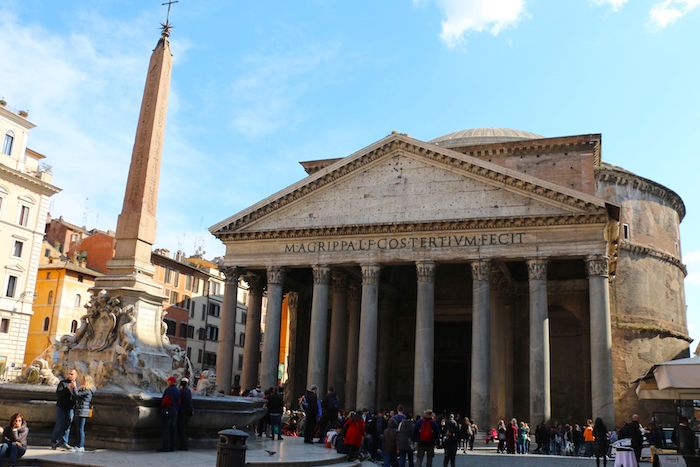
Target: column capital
x: 340, y: 281
x: 425, y: 271
x: 232, y: 273
x: 292, y: 300
x: 370, y: 274
x: 322, y: 274
x: 254, y: 281
x: 275, y: 275
x: 597, y: 265
x: 481, y: 269
x: 537, y: 269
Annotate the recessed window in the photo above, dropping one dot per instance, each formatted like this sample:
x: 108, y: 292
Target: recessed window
x: 11, y: 286
x: 78, y: 299
x: 48, y: 274
x: 73, y: 326
x: 625, y: 231
x: 50, y: 299
x: 8, y: 142
x: 80, y: 278
x: 47, y: 253
x: 168, y: 275
x: 171, y: 327
x: 23, y: 216
x: 240, y: 362
x: 241, y: 340
x: 173, y: 297
x: 176, y: 279
x: 5, y: 326
x: 17, y: 249
x: 214, y: 309
x: 189, y: 353
x: 212, y: 333
x: 199, y: 356
x: 47, y: 322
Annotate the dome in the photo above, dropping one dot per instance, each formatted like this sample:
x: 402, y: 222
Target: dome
x: 475, y: 136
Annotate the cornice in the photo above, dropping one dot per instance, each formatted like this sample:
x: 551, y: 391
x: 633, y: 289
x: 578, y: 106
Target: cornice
x: 590, y: 142
x: 610, y: 174
x: 653, y: 253
x: 411, y: 227
x: 477, y: 168
x: 648, y: 327
x: 42, y: 187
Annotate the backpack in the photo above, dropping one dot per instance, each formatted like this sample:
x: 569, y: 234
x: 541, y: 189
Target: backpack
x: 425, y: 434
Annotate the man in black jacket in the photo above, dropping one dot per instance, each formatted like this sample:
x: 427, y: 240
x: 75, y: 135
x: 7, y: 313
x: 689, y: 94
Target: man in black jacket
x: 637, y: 437
x: 65, y: 403
x: 274, y: 408
x: 310, y: 406
x: 684, y: 438
x: 330, y: 407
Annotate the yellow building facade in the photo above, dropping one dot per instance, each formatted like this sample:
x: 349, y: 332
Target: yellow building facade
x: 62, y: 290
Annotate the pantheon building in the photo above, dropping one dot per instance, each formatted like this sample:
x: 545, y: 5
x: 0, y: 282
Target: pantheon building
x: 489, y: 272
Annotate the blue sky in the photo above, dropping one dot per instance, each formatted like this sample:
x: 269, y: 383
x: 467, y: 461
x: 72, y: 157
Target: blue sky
x: 259, y: 86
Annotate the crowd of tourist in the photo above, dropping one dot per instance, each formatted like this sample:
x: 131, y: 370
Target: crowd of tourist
x: 396, y: 438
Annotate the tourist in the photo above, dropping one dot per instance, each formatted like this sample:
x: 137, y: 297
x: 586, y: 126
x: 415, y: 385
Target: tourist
x: 511, y: 434
x: 83, y: 407
x: 684, y: 438
x: 65, y: 405
x: 330, y: 406
x: 588, y: 439
x: 14, y: 439
x: 400, y: 415
x: 184, y: 414
x: 168, y: 414
x: 426, y: 433
x: 474, y: 431
x: 389, y: 448
x: 264, y: 422
x: 600, y: 434
x: 450, y: 444
x: 502, y: 432
x: 275, y: 405
x: 637, y: 437
x: 309, y: 404
x: 577, y: 436
x: 542, y: 438
x: 404, y: 441
x: 465, y: 431
x: 354, y: 434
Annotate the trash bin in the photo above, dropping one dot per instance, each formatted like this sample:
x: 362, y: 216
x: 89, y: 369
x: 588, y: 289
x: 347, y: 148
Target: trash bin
x: 230, y: 451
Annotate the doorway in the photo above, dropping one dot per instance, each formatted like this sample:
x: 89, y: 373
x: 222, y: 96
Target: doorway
x: 451, y: 384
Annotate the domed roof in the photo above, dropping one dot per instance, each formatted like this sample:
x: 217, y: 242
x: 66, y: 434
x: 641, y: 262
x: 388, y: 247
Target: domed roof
x: 475, y: 136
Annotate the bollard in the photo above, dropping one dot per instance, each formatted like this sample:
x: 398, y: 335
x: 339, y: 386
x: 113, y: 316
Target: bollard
x: 230, y: 451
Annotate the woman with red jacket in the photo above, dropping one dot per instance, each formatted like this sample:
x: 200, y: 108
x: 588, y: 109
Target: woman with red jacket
x: 354, y: 434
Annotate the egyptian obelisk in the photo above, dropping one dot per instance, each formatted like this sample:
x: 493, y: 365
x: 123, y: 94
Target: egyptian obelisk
x: 130, y: 272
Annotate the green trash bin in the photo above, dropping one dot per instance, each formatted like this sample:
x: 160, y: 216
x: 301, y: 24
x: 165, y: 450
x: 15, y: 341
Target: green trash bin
x: 230, y: 451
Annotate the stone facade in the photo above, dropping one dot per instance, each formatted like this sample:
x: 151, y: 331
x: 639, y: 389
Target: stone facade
x: 25, y: 189
x: 494, y: 273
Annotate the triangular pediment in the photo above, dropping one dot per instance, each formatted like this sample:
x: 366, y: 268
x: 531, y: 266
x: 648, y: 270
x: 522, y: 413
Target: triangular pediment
x: 400, y: 180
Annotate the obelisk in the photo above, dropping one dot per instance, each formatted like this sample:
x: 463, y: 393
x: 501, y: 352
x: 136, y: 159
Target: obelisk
x: 130, y: 272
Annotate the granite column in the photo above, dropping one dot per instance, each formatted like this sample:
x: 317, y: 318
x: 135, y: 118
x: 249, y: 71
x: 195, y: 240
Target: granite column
x: 271, y: 343
x: 367, y: 353
x: 318, y: 333
x: 337, y: 354
x: 423, y: 361
x: 540, y: 396
x: 251, y: 344
x: 481, y: 336
x: 224, y: 360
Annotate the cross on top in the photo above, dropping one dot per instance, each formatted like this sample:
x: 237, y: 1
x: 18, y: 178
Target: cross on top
x: 169, y: 3
x: 166, y: 26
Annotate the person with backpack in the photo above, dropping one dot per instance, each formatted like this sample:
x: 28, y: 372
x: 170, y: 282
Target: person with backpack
x: 354, y: 433
x: 426, y: 433
x: 474, y: 430
x: 404, y: 441
x: 389, y: 448
x: 330, y: 406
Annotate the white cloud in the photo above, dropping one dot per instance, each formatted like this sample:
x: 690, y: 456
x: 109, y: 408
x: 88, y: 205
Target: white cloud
x: 463, y: 16
x: 668, y: 11
x: 616, y: 5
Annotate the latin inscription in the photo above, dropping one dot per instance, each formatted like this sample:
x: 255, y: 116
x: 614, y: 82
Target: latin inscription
x: 405, y: 243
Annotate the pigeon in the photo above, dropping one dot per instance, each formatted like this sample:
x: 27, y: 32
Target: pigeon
x: 272, y: 453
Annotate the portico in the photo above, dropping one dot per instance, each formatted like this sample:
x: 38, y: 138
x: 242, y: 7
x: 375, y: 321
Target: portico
x: 436, y: 280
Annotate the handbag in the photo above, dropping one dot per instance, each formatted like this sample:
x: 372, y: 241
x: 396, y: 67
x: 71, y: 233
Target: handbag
x: 90, y: 412
x: 501, y: 436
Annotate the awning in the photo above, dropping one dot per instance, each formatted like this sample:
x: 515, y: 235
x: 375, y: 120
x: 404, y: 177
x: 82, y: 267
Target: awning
x: 672, y: 380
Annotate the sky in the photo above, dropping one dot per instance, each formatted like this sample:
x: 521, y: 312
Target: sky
x: 259, y: 86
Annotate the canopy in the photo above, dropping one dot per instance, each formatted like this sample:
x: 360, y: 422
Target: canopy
x: 675, y: 379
